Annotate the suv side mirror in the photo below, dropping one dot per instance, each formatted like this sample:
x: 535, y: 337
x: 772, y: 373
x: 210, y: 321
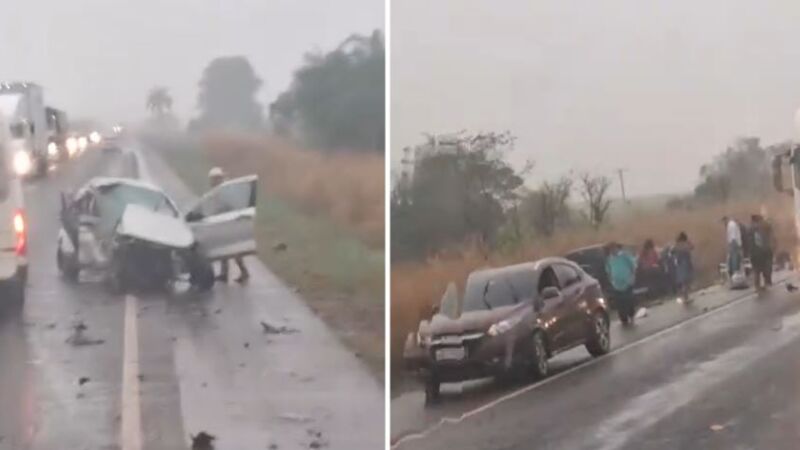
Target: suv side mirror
x: 550, y: 293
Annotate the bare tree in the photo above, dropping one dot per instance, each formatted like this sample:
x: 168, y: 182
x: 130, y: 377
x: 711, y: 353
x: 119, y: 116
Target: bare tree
x: 547, y: 207
x: 593, y: 189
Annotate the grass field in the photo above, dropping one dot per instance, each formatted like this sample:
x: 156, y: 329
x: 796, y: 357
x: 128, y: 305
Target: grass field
x: 334, y: 252
x: 415, y: 287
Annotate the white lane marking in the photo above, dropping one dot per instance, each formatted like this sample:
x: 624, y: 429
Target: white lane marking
x: 131, y: 433
x: 141, y: 166
x: 517, y: 393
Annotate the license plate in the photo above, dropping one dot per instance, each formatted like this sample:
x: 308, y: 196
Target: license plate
x: 450, y: 354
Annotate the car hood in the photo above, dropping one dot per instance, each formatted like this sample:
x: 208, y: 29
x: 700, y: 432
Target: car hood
x: 159, y: 228
x: 471, y: 321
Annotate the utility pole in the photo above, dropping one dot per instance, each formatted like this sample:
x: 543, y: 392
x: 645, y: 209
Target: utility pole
x: 621, y: 173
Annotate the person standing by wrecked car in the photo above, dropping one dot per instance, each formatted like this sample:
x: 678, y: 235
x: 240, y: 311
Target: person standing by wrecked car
x: 216, y: 177
x: 733, y: 241
x: 648, y: 266
x: 621, y: 270
x: 684, y: 266
x: 762, y: 252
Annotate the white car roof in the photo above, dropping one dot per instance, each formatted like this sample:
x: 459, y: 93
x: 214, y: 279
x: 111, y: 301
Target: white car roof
x: 99, y: 182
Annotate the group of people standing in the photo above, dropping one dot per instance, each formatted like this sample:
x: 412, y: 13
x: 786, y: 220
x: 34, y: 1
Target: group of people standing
x: 756, y: 242
x: 675, y: 264
x: 651, y: 267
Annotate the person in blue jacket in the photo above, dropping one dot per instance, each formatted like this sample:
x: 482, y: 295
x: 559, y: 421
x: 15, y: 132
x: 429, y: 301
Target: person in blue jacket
x: 621, y: 270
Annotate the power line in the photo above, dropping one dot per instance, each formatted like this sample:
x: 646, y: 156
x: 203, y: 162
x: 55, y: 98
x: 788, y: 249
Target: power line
x: 621, y: 173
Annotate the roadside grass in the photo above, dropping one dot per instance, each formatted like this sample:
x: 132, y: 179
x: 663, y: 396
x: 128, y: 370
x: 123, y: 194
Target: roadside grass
x: 417, y: 286
x: 327, y: 258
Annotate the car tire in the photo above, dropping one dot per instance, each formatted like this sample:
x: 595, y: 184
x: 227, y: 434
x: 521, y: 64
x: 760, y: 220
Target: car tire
x: 67, y: 266
x: 540, y: 366
x: 432, y: 390
x: 598, y: 339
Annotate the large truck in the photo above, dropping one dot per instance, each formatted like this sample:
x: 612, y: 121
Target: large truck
x: 57, y: 133
x: 22, y: 104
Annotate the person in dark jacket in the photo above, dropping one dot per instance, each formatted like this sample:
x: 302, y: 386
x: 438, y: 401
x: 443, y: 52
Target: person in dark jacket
x: 684, y: 266
x: 764, y: 244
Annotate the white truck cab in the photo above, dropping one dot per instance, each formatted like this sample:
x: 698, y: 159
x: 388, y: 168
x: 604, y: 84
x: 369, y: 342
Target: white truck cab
x: 13, y: 225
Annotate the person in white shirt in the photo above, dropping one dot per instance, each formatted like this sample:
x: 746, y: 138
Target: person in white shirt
x: 733, y: 241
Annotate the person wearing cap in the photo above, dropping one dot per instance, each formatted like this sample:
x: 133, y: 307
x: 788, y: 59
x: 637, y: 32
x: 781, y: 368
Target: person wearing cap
x: 216, y: 176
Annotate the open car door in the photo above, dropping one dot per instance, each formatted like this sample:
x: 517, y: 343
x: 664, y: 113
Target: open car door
x: 224, y: 218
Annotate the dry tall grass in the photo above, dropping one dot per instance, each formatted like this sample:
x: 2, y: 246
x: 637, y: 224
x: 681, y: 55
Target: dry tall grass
x: 416, y: 287
x: 347, y: 187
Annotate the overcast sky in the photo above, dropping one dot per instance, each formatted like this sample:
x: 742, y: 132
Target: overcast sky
x: 654, y: 87
x: 99, y: 58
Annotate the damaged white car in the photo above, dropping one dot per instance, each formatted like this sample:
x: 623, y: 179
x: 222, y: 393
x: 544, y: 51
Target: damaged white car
x: 134, y: 235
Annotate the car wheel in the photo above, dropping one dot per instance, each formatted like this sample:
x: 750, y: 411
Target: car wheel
x: 67, y: 266
x: 539, y: 364
x: 432, y: 390
x: 598, y: 341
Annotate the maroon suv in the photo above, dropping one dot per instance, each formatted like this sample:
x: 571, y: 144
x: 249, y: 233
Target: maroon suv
x: 510, y: 319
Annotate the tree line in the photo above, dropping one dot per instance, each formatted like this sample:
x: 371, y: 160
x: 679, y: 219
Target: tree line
x: 336, y: 100
x: 459, y: 188
x: 451, y: 189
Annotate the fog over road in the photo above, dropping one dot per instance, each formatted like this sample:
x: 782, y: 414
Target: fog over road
x: 170, y: 365
x: 722, y: 374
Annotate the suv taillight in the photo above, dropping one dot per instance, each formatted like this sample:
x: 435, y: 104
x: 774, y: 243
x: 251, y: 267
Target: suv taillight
x: 20, y: 231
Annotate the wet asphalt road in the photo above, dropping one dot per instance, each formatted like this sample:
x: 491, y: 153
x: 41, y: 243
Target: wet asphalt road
x: 725, y: 379
x: 170, y: 365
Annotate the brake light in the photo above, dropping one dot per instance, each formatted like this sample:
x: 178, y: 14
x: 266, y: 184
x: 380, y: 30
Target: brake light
x: 20, y: 233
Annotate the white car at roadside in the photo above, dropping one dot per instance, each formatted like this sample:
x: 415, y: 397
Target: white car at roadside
x: 134, y: 233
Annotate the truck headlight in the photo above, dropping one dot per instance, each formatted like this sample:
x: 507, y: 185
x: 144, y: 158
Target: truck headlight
x: 72, y: 145
x: 95, y: 137
x: 52, y: 149
x: 499, y: 328
x: 22, y: 163
x: 82, y: 143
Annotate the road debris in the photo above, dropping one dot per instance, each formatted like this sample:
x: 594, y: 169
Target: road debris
x: 317, y: 441
x: 51, y: 325
x: 778, y: 326
x: 641, y: 313
x: 279, y: 247
x: 246, y: 345
x: 790, y: 287
x: 83, y: 380
x: 272, y: 329
x: 273, y: 446
x: 78, y: 339
x: 203, y: 441
x: 294, y: 417
x: 717, y: 427
x: 218, y: 310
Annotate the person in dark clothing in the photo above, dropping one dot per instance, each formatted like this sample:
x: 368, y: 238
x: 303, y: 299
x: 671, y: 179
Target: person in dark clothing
x: 649, y: 268
x: 762, y: 251
x: 684, y: 266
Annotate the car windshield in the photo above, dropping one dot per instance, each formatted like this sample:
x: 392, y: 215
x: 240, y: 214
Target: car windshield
x: 114, y: 198
x: 489, y: 292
